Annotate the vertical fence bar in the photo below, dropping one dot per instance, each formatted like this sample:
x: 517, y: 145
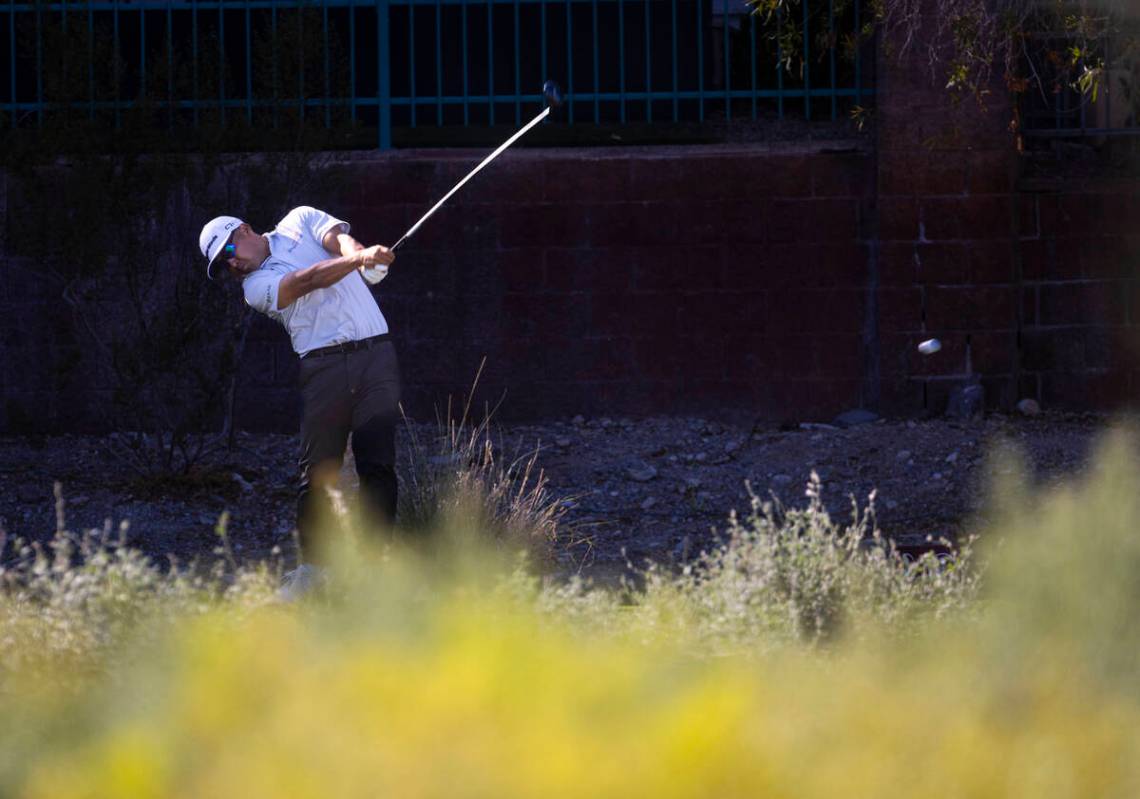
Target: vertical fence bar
x: 831, y: 56
x: 518, y: 67
x: 1108, y: 92
x: 438, y: 63
x: 248, y: 65
x: 142, y: 52
x: 1082, y: 105
x: 12, y: 63
x: 90, y: 63
x: 63, y: 21
x: 779, y: 64
x: 194, y: 59
x: 648, y: 64
x: 328, y: 89
x: 463, y: 37
x: 807, y: 68
x: 676, y: 107
x: 273, y: 62
x: 542, y: 25
x: 352, y: 63
x: 727, y: 65
x: 39, y: 71
x: 752, y: 57
x: 1057, y: 110
x: 412, y: 60
x: 597, y: 87
x: 621, y: 61
x: 222, y: 63
x: 701, y: 62
x: 301, y: 63
x: 858, y: 57
x: 491, y: 62
x: 569, y: 63
x: 63, y: 57
x: 170, y: 64
x: 115, y: 57
x: 383, y: 77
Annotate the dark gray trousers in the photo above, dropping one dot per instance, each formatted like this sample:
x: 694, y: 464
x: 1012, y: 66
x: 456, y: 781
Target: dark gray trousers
x: 356, y: 392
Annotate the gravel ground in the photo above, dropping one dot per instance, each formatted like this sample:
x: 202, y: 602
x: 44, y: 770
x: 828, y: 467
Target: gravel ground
x: 650, y: 488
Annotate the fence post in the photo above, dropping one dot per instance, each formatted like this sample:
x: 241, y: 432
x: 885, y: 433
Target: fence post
x: 383, y: 77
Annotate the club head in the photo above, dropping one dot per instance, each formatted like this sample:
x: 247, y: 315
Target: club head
x: 553, y: 94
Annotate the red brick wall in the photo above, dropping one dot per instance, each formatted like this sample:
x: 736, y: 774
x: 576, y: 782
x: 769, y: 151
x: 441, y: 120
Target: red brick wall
x: 946, y: 200
x: 627, y: 281
x: 784, y: 284
x: 1080, y: 248
x: 1027, y: 282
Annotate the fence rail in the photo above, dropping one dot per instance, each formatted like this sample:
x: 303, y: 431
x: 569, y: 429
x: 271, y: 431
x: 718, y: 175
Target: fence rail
x: 385, y: 64
x: 1054, y: 108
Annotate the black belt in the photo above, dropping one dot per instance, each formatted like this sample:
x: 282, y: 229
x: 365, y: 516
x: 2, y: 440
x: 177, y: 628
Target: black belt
x: 348, y: 346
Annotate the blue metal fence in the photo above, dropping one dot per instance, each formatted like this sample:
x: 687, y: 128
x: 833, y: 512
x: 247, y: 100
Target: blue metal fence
x: 1053, y: 108
x: 414, y: 63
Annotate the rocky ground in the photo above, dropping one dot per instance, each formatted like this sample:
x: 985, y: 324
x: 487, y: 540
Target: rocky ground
x: 649, y: 488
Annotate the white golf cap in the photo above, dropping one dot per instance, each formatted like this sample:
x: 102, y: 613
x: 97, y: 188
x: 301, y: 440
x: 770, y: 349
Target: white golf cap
x: 214, y: 236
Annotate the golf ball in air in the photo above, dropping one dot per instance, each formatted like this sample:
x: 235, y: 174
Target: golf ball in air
x: 930, y: 346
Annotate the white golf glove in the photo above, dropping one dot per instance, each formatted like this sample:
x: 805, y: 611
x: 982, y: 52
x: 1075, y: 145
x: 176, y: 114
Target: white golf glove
x: 374, y: 274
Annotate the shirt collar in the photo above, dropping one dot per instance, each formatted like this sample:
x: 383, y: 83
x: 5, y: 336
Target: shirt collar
x: 274, y: 239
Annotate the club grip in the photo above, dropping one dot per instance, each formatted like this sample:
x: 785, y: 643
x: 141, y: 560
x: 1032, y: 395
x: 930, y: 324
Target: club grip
x: 374, y: 274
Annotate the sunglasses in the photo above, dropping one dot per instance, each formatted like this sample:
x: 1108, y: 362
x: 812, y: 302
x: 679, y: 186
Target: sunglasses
x: 230, y: 249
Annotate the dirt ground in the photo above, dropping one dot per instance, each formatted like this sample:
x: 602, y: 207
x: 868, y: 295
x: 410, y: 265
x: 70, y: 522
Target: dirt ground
x: 649, y: 488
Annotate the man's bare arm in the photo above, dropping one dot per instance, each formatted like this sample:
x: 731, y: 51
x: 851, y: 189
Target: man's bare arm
x: 337, y: 242
x: 325, y: 273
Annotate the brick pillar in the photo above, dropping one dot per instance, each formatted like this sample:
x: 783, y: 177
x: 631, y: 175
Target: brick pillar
x: 947, y: 255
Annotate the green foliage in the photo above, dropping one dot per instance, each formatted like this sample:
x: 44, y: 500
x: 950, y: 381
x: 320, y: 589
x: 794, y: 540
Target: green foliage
x: 783, y: 29
x: 788, y: 574
x: 1046, y: 51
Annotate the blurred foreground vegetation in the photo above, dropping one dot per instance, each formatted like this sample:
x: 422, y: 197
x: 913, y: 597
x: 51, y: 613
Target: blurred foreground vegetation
x: 803, y: 658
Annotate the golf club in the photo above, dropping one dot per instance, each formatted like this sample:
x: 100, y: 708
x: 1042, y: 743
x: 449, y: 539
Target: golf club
x: 553, y: 97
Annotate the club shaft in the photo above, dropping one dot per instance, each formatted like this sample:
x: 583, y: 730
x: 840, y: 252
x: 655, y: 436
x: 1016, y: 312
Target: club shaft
x: 472, y: 174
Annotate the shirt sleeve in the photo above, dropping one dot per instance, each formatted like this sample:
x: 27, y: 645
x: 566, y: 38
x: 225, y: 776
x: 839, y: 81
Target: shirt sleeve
x: 317, y: 223
x: 260, y: 289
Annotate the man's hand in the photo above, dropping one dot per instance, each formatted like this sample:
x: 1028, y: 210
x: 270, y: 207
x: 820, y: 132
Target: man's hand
x: 374, y: 263
x: 376, y: 255
x: 371, y: 262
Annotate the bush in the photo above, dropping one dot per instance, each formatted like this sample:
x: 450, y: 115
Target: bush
x: 461, y: 476
x: 432, y: 676
x: 83, y: 599
x: 787, y: 574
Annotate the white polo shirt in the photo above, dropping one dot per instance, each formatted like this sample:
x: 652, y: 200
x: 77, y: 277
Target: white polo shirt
x: 345, y: 311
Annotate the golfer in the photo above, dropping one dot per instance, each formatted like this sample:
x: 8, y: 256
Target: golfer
x: 307, y: 274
